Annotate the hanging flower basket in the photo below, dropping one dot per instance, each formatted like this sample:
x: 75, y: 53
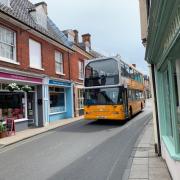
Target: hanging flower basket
x: 26, y: 88
x: 13, y: 87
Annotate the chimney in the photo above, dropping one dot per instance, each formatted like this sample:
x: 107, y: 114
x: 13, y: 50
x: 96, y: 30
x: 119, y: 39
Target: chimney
x: 39, y: 14
x: 70, y: 34
x: 76, y: 37
x: 42, y: 5
x: 86, y: 39
x: 134, y: 65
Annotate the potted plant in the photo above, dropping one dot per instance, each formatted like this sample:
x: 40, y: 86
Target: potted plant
x: 13, y: 87
x: 3, y: 131
x: 26, y: 88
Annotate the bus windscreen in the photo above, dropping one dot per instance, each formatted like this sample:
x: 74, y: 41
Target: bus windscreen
x: 104, y: 96
x: 102, y: 74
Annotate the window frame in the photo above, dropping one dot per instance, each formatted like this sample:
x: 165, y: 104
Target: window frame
x: 80, y: 99
x: 64, y: 92
x: 30, y: 62
x: 60, y: 63
x: 14, y: 46
x: 81, y: 69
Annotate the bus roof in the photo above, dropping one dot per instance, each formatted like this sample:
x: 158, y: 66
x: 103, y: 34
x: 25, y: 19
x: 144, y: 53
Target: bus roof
x: 117, y: 58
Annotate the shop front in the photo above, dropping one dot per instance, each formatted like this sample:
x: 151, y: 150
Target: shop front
x: 60, y: 100
x: 78, y: 100
x: 19, y: 96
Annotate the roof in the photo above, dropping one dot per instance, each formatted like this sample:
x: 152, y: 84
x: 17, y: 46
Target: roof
x: 20, y: 10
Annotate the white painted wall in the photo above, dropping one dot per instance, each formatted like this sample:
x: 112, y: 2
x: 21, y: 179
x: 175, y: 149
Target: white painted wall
x: 173, y: 166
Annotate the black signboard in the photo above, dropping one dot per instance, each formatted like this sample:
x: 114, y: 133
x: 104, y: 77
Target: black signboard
x: 10, y: 125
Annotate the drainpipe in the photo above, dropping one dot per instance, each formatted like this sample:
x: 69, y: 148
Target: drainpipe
x: 158, y: 145
x: 73, y: 88
x: 69, y: 68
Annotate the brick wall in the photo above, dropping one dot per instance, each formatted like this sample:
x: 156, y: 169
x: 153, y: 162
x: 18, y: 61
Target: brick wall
x: 75, y: 58
x: 47, y: 50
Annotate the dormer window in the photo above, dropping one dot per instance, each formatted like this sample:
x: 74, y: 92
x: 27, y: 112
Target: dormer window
x: 5, y: 2
x: 39, y: 14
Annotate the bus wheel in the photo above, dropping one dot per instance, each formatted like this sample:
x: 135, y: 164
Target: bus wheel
x: 130, y: 113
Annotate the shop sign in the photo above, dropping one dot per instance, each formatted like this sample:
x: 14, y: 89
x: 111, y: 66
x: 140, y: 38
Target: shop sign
x: 58, y: 83
x: 20, y: 78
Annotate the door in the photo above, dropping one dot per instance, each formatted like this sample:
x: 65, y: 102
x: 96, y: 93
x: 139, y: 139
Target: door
x: 31, y: 108
x: 125, y: 102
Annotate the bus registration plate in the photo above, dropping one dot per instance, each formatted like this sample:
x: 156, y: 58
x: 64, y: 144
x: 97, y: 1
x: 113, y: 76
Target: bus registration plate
x: 101, y: 117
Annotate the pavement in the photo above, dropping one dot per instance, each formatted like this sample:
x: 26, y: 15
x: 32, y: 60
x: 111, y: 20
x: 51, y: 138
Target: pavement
x: 28, y: 133
x: 145, y: 164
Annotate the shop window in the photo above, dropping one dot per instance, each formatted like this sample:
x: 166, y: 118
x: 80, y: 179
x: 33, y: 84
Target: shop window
x: 168, y: 104
x: 81, y: 70
x: 35, y: 54
x: 7, y: 44
x: 12, y: 105
x: 59, y: 62
x: 57, y: 99
x: 80, y: 99
x: 177, y: 93
x: 177, y: 90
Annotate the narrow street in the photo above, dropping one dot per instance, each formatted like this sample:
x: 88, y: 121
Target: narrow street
x: 84, y: 150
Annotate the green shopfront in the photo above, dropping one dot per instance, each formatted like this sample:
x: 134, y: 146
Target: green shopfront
x: 163, y: 53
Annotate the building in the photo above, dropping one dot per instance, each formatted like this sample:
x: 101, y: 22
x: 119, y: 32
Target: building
x: 33, y: 53
x: 147, y: 87
x: 83, y: 51
x: 162, y: 53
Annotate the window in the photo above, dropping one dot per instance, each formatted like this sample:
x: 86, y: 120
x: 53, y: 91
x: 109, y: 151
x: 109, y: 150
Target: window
x: 102, y: 73
x: 12, y: 104
x: 131, y: 73
x: 7, y: 44
x: 80, y: 99
x: 57, y: 99
x: 81, y: 70
x: 168, y: 102
x: 35, y: 54
x: 59, y: 62
x: 123, y: 69
x: 104, y: 96
x: 177, y: 90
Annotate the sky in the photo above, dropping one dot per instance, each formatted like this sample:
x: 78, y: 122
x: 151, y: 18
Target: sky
x: 114, y: 25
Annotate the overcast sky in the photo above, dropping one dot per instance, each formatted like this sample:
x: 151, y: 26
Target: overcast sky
x: 114, y: 25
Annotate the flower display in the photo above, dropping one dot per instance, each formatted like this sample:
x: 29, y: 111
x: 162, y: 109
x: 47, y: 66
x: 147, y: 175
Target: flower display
x: 26, y: 88
x: 13, y: 87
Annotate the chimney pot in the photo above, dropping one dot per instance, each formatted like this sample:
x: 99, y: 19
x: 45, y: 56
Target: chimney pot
x: 134, y: 65
x: 86, y: 38
x: 76, y: 37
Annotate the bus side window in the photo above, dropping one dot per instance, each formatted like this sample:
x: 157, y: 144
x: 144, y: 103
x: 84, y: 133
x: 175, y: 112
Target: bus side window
x: 131, y: 73
x: 129, y: 95
x: 126, y: 71
x: 123, y: 69
x: 133, y: 94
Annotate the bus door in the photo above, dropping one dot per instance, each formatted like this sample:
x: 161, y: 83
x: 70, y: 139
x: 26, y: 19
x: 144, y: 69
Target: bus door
x: 125, y: 97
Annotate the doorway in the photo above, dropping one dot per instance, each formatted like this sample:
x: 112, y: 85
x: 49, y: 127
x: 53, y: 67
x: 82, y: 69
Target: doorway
x: 31, y: 111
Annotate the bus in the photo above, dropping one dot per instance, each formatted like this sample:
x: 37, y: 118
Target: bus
x: 113, y: 90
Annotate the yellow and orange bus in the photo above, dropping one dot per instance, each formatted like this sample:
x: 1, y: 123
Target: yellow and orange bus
x: 114, y: 90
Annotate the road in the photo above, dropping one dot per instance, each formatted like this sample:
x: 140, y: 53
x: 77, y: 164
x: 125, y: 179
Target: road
x: 84, y: 150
